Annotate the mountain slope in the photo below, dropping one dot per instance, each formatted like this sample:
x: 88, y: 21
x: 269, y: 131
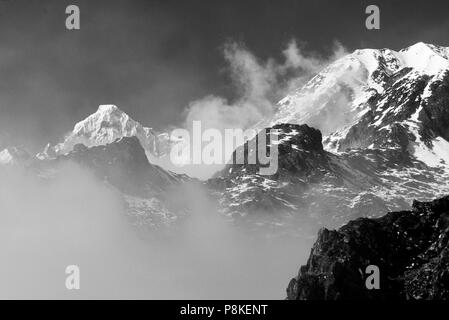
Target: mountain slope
x: 378, y: 99
x: 383, y: 116
x: 337, y: 97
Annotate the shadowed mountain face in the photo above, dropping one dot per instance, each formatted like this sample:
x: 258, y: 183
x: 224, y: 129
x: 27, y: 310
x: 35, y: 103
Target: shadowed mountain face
x: 410, y: 248
x: 123, y: 165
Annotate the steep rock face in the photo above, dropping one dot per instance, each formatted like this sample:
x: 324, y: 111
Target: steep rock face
x: 435, y: 114
x: 411, y: 249
x: 409, y: 116
x: 301, y: 161
x: 300, y: 150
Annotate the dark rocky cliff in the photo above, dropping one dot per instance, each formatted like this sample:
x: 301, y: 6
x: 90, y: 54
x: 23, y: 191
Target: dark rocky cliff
x: 409, y: 247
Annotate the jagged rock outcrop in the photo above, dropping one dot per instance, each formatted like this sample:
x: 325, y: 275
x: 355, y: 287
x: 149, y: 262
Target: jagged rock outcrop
x: 410, y: 248
x: 300, y: 151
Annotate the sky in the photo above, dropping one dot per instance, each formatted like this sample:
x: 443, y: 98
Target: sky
x: 154, y: 58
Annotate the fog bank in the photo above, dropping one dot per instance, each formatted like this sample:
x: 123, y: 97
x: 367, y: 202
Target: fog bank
x: 72, y: 218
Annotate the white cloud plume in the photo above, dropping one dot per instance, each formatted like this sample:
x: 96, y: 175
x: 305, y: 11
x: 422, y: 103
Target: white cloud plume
x: 260, y: 84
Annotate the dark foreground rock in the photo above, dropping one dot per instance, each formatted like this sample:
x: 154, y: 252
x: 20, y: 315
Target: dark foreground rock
x: 409, y: 247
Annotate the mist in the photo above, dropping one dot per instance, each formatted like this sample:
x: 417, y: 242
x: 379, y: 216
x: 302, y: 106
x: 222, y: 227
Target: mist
x: 74, y: 219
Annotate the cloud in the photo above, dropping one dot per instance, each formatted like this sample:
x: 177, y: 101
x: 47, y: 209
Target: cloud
x: 217, y: 112
x: 296, y: 57
x: 260, y: 84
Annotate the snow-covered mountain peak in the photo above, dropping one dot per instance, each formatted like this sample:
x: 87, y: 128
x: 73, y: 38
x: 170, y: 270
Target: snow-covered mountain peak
x: 337, y: 97
x: 109, y: 122
x: 6, y: 157
x: 108, y: 108
x: 421, y: 47
x: 102, y: 127
x: 425, y: 58
x: 14, y: 155
x: 421, y: 57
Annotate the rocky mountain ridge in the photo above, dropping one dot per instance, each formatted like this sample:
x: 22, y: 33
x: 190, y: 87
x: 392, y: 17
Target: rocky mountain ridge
x: 383, y: 120
x: 385, y: 146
